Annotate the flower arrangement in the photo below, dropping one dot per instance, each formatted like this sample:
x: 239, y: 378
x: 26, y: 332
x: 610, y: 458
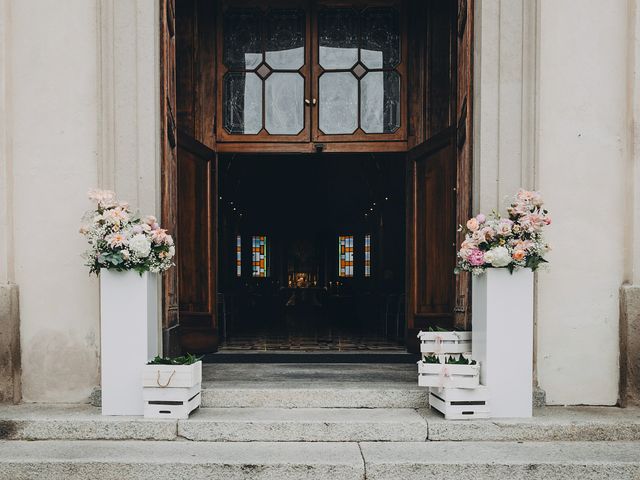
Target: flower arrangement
x: 121, y: 240
x: 513, y: 242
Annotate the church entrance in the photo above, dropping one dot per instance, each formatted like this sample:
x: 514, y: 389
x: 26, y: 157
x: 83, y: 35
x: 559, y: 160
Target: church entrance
x: 316, y: 161
x: 311, y: 252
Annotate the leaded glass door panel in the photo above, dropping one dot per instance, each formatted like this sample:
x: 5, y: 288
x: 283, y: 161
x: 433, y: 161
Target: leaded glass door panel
x: 263, y: 72
x: 359, y: 85
x: 316, y: 70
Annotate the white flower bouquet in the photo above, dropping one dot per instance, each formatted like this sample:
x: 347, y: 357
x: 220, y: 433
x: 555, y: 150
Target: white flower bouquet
x: 121, y: 240
x: 509, y: 242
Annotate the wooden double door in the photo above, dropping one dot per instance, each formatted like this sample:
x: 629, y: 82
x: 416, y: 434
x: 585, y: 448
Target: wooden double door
x: 208, y: 107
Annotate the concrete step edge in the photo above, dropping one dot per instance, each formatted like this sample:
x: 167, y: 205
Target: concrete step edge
x: 102, y: 460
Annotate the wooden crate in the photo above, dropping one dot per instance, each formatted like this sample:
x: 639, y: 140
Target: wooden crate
x: 444, y: 342
x: 172, y: 376
x: 450, y: 376
x: 461, y: 403
x: 171, y: 402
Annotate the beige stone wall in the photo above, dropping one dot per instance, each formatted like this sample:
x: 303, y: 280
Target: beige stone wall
x: 555, y: 108
x: 52, y: 80
x: 80, y: 110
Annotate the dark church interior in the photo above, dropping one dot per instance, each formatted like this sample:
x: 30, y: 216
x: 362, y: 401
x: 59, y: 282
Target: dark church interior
x: 311, y: 252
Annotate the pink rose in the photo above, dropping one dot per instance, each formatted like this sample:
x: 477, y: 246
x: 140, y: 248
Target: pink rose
x: 475, y: 257
x: 159, y: 236
x: 488, y: 233
x: 481, y: 218
x: 472, y: 224
x: 468, y: 244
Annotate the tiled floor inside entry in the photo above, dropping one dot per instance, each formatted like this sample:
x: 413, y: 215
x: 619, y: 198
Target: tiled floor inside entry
x: 330, y: 340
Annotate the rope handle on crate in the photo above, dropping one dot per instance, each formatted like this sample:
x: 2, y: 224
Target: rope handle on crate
x: 168, y: 381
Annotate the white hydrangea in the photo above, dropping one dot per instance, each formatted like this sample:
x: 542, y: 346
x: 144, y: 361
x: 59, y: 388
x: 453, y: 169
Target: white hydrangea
x: 498, y: 257
x: 140, y: 245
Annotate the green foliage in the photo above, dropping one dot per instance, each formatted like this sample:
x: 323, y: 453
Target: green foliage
x: 431, y: 359
x: 187, y: 359
x: 438, y: 329
x: 449, y: 361
x: 534, y: 261
x: 461, y: 361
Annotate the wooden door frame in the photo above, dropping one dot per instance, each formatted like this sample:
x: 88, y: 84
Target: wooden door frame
x: 462, y: 116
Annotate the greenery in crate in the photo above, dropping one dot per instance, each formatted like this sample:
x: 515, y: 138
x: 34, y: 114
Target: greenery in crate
x: 440, y: 329
x: 187, y: 359
x: 450, y: 360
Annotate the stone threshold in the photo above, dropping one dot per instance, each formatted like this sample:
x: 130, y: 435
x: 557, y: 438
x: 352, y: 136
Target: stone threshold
x: 84, y: 422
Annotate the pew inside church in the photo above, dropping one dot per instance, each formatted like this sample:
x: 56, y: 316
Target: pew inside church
x: 311, y: 252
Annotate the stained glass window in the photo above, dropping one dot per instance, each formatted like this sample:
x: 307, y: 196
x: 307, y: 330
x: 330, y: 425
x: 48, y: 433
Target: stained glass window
x: 238, y: 256
x: 367, y: 255
x: 259, y: 255
x: 345, y: 256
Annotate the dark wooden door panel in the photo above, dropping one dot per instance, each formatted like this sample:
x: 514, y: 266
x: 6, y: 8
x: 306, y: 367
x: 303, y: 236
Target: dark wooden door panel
x: 197, y: 247
x: 431, y: 235
x: 439, y: 192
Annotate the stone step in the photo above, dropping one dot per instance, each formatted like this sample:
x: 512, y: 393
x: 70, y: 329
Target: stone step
x: 322, y: 397
x: 312, y: 385
x: 502, y: 460
x: 136, y: 460
x: 105, y: 460
x: 305, y: 425
x: 83, y: 422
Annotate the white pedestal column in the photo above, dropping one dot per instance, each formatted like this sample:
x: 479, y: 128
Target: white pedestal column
x: 128, y: 337
x: 502, y: 339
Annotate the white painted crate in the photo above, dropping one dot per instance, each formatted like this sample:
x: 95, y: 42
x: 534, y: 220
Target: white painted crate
x: 446, y: 375
x: 171, y: 402
x: 171, y: 391
x: 461, y: 403
x: 172, y: 376
x: 445, y: 342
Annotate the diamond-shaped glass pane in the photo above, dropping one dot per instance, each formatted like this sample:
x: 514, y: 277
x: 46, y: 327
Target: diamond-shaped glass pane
x: 359, y: 70
x: 263, y: 71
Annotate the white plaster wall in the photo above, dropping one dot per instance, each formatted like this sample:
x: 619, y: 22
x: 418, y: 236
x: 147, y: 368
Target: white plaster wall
x: 52, y: 76
x: 81, y: 82
x: 552, y: 108
x: 81, y: 109
x: 582, y: 169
